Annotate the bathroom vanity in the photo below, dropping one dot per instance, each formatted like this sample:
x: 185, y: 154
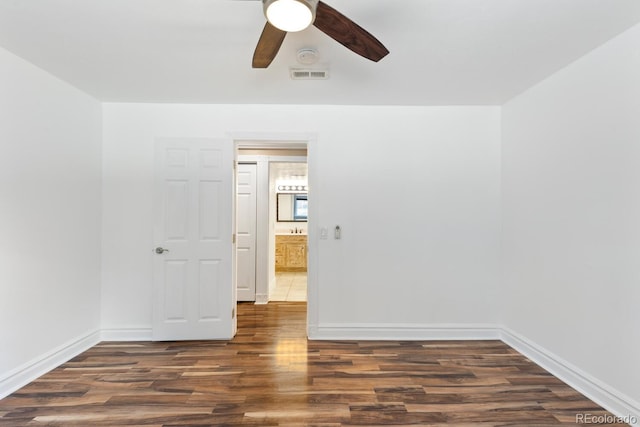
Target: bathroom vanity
x: 291, y: 252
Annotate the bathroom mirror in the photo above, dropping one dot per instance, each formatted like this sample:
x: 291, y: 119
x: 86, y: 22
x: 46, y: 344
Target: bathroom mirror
x: 292, y: 207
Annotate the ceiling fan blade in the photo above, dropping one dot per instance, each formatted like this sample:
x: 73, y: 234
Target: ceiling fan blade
x: 268, y: 46
x: 348, y: 33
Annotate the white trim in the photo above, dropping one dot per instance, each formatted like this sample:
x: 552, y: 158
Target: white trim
x: 265, y: 140
x: 35, y: 368
x: 603, y: 394
x: 404, y: 332
x: 313, y: 246
x: 126, y: 334
x: 262, y: 299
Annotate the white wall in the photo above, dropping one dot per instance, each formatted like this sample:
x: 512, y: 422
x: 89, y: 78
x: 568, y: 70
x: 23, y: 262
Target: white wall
x: 50, y: 168
x: 571, y: 215
x: 433, y: 172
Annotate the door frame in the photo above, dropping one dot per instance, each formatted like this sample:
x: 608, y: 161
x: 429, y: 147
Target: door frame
x: 264, y: 238
x: 279, y: 140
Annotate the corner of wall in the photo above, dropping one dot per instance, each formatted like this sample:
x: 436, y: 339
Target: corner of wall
x: 619, y: 404
x: 39, y: 366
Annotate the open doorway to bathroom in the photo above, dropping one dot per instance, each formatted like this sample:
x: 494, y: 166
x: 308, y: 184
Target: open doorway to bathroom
x: 271, y: 224
x: 289, y: 215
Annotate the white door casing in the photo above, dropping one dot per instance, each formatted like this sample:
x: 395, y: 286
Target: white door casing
x: 193, y: 209
x: 246, y: 221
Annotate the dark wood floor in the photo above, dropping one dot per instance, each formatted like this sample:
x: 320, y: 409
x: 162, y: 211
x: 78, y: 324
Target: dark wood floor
x: 270, y: 375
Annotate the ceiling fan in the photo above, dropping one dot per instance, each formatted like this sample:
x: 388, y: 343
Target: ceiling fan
x: 295, y: 15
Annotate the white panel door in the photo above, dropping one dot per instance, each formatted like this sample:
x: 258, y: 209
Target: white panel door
x: 193, y: 257
x: 246, y: 220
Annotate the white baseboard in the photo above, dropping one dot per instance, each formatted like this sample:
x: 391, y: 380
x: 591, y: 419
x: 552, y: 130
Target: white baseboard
x: 404, y: 332
x: 601, y: 393
x: 262, y: 299
x: 126, y: 334
x: 39, y: 366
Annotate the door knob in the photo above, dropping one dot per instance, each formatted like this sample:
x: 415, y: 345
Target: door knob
x: 160, y: 250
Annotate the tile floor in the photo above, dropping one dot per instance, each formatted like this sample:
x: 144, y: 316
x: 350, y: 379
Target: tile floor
x: 290, y: 286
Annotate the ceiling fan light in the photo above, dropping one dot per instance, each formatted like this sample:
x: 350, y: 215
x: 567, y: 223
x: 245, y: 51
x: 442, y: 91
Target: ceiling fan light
x: 290, y: 15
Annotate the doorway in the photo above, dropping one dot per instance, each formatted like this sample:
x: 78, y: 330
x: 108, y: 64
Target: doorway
x: 194, y: 198
x: 289, y: 216
x: 276, y: 269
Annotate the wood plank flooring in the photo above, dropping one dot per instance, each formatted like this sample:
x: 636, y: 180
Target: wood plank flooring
x: 270, y: 375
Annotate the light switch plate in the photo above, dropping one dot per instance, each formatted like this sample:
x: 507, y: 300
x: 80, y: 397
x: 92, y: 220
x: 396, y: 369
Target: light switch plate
x: 324, y: 233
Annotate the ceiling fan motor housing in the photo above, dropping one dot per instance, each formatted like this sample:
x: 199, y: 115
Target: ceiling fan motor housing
x: 290, y: 15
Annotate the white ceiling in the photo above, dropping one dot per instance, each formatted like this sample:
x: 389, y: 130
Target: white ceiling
x: 443, y: 52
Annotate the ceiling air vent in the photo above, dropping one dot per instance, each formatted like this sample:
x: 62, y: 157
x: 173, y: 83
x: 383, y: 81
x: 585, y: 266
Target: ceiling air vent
x: 308, y: 74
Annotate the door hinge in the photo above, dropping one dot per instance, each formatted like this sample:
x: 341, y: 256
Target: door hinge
x: 233, y: 313
x: 233, y: 238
